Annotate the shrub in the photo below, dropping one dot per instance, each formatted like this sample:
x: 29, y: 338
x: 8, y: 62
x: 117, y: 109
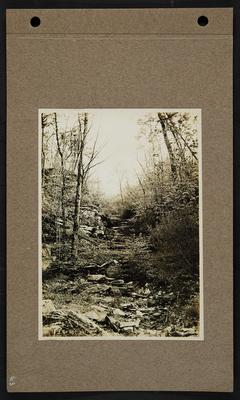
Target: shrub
x: 178, y: 234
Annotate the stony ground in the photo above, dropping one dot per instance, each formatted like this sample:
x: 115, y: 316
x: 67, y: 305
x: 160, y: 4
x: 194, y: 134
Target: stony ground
x: 106, y: 297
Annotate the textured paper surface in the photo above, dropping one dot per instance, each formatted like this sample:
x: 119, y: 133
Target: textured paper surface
x: 119, y: 59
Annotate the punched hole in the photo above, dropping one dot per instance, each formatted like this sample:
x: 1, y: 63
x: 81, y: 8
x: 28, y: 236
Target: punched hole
x: 35, y: 22
x: 202, y: 21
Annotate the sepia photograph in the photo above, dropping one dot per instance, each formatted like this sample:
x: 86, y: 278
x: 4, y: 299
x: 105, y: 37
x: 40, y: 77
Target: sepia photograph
x: 120, y: 231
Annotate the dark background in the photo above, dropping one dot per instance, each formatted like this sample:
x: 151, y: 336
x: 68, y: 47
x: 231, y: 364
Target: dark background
x: 4, y: 4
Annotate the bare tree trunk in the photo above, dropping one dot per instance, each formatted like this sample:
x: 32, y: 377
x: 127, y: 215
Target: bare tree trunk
x: 162, y: 121
x: 83, y: 131
x: 187, y: 145
x: 83, y: 167
x: 63, y: 191
x: 63, y: 188
x: 77, y: 206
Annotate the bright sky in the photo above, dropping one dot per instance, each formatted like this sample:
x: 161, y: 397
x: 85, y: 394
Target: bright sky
x: 118, y: 132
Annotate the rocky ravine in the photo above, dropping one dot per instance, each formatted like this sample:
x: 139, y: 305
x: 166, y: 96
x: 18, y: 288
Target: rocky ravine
x: 100, y: 300
x: 99, y: 305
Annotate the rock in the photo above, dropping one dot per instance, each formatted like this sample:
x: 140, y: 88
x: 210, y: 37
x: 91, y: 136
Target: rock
x: 99, y: 288
x: 90, y: 216
x: 147, y: 310
x: 128, y: 329
x: 46, y: 257
x: 113, y: 271
x: 73, y: 320
x: 112, y: 323
x: 97, y: 314
x: 126, y: 324
x: 118, y: 282
x: 142, y: 302
x: 107, y: 299
x: 145, y: 291
x: 108, y: 263
x: 151, y: 302
x: 139, y: 313
x: 99, y: 308
x: 96, y: 278
x: 114, y: 291
x: 81, y: 281
x: 46, y: 251
x: 91, y: 267
x: 98, y: 232
x: 134, y: 294
x: 85, y: 229
x: 102, y: 306
x: 46, y: 264
x: 47, y: 307
x: 84, y: 322
x: 73, y: 289
x: 157, y: 314
x: 120, y: 246
x: 127, y: 306
x: 166, y: 331
x: 118, y: 312
x: 51, y: 330
x: 183, y: 332
x: 124, y: 290
x: 168, y: 297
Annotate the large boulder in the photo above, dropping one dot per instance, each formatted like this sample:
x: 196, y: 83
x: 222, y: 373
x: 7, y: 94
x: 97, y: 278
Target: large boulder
x: 97, y: 313
x: 92, y: 223
x: 112, y: 269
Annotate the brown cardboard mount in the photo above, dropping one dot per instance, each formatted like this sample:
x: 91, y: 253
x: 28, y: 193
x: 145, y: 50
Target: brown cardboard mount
x: 128, y: 58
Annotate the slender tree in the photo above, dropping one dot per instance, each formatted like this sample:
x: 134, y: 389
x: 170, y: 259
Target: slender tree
x: 163, y: 118
x: 44, y: 123
x: 84, y: 161
x: 61, y: 147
